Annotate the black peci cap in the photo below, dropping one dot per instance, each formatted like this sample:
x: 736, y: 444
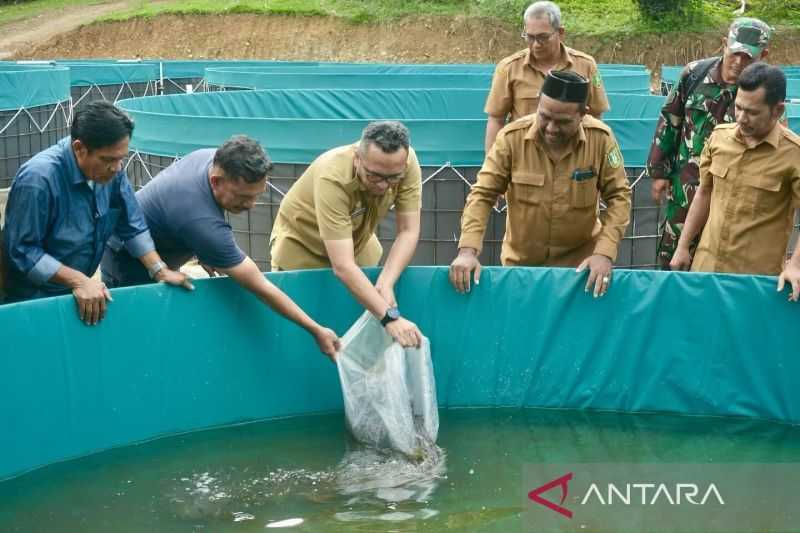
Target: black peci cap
x: 566, y: 86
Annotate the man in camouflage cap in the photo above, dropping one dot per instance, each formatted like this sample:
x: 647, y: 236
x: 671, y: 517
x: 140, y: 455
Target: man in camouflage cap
x: 703, y: 97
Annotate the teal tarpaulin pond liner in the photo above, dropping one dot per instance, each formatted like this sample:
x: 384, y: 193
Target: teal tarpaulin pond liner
x: 34, y: 113
x: 671, y: 73
x: 447, y: 125
x: 793, y: 88
x: 176, y: 69
x: 248, y: 79
x: 633, y: 106
x: 110, y: 80
x: 174, y: 76
x: 390, y: 77
x: 793, y: 116
x: 622, y: 66
x: 392, y: 68
x: 633, y: 119
x: 179, y: 124
x: 196, y: 68
x: 23, y: 86
x: 84, y: 74
x: 359, y: 104
x: 626, y: 81
x: 166, y: 361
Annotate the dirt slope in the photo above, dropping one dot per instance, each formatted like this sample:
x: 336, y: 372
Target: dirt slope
x: 418, y: 39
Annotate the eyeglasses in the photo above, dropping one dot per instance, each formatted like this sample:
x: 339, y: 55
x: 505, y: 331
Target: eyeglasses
x: 542, y: 38
x: 375, y: 177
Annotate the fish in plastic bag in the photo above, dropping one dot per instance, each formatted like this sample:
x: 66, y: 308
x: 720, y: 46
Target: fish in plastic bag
x: 389, y: 391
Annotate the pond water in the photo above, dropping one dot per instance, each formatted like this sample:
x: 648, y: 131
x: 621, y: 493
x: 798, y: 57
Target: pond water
x: 305, y: 474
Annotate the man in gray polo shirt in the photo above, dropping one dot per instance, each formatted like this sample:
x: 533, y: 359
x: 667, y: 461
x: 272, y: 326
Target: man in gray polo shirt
x: 184, y: 206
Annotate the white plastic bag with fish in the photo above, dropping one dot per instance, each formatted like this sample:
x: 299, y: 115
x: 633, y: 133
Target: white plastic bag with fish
x: 389, y: 392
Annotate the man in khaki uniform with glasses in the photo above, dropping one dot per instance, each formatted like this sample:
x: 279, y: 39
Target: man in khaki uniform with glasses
x: 554, y: 167
x: 749, y: 188
x: 329, y: 217
x: 518, y: 79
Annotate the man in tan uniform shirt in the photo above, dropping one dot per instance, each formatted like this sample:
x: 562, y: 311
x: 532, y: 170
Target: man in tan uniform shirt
x: 749, y: 188
x: 553, y: 167
x: 329, y: 216
x: 518, y: 79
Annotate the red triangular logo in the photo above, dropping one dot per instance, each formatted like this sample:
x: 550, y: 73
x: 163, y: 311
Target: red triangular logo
x: 562, y: 482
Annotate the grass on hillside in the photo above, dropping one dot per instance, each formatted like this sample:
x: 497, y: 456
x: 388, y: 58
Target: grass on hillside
x: 587, y: 17
x: 23, y: 10
x: 580, y: 16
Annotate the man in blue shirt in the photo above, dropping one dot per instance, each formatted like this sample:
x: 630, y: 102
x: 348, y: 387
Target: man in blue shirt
x: 184, y: 207
x: 63, y: 206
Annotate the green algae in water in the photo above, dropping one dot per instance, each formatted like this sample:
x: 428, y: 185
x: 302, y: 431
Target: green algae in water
x: 306, y: 475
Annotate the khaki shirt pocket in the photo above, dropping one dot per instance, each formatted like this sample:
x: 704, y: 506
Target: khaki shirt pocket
x: 763, y: 193
x: 767, y: 183
x: 527, y: 187
x: 584, y: 193
x: 718, y: 169
x: 526, y: 100
x: 721, y: 178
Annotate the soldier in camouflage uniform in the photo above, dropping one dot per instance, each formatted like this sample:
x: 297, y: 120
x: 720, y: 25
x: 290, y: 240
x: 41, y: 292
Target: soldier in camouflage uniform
x: 703, y: 97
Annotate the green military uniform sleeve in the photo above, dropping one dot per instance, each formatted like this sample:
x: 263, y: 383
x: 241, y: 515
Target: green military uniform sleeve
x: 332, y: 204
x: 616, y: 194
x: 664, y: 150
x: 492, y: 181
x: 409, y: 193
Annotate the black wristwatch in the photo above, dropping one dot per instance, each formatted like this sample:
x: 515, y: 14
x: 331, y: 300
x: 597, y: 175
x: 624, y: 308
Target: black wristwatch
x: 391, y: 315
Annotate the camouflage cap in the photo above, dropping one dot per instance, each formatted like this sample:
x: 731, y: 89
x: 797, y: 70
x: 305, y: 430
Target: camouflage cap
x: 749, y: 35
